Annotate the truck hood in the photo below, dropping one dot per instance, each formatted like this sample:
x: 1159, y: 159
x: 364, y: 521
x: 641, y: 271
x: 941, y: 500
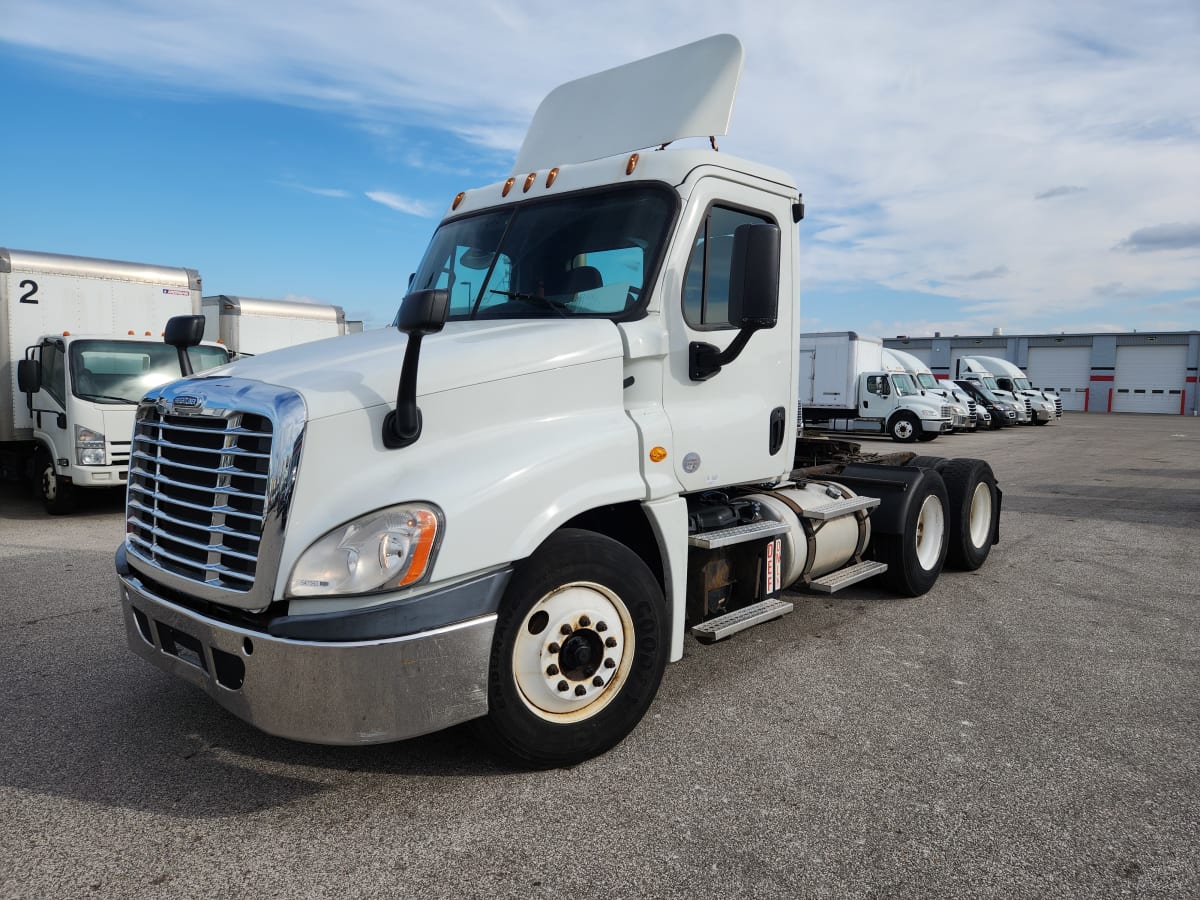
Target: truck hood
x: 359, y: 371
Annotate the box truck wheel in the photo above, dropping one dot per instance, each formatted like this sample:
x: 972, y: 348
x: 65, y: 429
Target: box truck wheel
x: 916, y: 555
x: 974, y: 512
x: 58, y: 494
x: 578, y: 654
x: 904, y: 427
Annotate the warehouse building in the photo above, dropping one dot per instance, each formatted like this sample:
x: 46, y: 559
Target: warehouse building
x: 1143, y: 372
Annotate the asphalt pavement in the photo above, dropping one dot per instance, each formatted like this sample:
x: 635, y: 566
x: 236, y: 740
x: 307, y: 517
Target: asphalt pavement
x: 1030, y: 729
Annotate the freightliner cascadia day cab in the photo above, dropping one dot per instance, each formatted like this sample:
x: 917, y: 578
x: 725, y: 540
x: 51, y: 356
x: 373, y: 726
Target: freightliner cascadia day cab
x: 971, y: 369
x: 248, y: 326
x: 963, y: 409
x: 1045, y: 406
x: 82, y: 343
x: 845, y: 386
x: 578, y: 444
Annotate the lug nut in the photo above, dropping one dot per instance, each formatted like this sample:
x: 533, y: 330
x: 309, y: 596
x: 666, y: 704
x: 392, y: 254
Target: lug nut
x: 552, y: 669
x: 580, y: 690
x: 589, y: 671
x: 598, y: 681
x: 553, y: 648
x: 566, y: 629
x: 562, y: 685
x: 602, y: 626
x: 610, y: 642
x: 584, y: 621
x: 610, y: 664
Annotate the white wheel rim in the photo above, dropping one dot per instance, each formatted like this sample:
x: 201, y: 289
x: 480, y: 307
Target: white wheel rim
x: 931, y: 528
x: 904, y: 428
x: 583, y: 633
x: 49, y: 483
x: 981, y: 514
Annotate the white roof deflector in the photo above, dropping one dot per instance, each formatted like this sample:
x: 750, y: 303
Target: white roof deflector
x: 685, y: 92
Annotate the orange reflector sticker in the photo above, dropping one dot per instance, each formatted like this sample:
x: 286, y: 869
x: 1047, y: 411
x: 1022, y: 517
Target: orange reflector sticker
x: 658, y: 454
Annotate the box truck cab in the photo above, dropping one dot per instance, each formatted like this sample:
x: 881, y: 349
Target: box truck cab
x: 82, y: 345
x: 577, y: 447
x: 1046, y: 406
x: 845, y: 386
x: 962, y: 406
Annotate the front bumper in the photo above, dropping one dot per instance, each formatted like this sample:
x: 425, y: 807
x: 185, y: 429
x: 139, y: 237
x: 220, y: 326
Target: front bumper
x: 348, y: 692
x: 937, y: 426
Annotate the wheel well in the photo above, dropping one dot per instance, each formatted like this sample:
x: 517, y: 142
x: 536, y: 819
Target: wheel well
x: 627, y: 523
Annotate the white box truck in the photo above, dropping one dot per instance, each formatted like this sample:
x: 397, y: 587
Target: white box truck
x: 963, y: 408
x: 1045, y: 406
x: 845, y: 386
x: 81, y: 343
x: 577, y: 446
x: 248, y: 326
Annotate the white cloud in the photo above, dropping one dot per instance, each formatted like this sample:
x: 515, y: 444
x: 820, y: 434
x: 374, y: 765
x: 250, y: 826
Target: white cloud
x: 1025, y: 140
x: 400, y: 204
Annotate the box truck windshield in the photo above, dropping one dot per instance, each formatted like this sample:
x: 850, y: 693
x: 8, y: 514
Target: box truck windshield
x: 122, y: 371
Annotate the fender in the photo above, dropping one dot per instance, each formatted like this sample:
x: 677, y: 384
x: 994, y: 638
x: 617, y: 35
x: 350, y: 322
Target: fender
x: 895, y: 486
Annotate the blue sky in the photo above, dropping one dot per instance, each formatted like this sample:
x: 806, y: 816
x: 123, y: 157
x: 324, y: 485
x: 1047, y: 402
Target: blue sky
x: 1034, y: 167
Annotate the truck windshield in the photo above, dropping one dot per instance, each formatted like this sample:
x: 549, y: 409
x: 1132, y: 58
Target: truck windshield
x: 989, y: 382
x: 122, y: 371
x: 1023, y: 384
x: 590, y: 254
x: 926, y: 380
x: 905, y: 386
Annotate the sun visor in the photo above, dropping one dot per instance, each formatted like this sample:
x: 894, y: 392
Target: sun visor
x: 685, y: 92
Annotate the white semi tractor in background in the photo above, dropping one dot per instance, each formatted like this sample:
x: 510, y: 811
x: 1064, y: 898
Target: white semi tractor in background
x: 1045, y: 405
x: 248, y: 326
x: 845, y: 386
x: 1030, y: 410
x: 962, y: 406
x: 578, y: 444
x: 81, y: 343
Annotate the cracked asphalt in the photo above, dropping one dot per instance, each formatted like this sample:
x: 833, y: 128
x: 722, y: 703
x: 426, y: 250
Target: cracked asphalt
x: 1026, y: 730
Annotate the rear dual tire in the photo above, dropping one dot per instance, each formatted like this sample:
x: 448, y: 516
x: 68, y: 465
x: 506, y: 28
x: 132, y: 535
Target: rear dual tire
x: 916, y: 555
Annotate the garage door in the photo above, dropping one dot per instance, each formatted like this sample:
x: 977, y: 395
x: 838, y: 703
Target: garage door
x: 1149, y: 379
x: 1065, y: 370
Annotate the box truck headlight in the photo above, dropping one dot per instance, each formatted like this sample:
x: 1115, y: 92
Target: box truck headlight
x: 89, y: 447
x: 388, y: 549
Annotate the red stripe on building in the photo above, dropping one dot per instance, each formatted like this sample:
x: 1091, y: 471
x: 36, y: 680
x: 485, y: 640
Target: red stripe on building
x: 940, y: 376
x: 1103, y: 377
x: 1191, y: 379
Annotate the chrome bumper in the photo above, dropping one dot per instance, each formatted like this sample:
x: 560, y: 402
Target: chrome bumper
x: 357, y: 692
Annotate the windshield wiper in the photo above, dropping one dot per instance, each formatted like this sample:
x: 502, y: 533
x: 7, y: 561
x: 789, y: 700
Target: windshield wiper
x: 534, y: 300
x: 105, y: 397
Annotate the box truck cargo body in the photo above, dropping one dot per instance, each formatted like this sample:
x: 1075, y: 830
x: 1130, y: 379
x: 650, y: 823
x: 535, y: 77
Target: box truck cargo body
x: 248, y: 326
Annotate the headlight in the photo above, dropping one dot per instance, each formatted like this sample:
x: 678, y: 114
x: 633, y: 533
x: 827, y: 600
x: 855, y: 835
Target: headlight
x: 385, y: 550
x: 89, y: 447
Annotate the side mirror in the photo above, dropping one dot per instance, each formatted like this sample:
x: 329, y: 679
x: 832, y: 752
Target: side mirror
x: 421, y: 313
x: 29, y: 376
x: 181, y: 333
x: 753, y: 297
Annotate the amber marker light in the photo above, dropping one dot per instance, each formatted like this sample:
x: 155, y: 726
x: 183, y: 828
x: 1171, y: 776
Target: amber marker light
x: 130, y: 331
x: 551, y: 176
x: 632, y: 164
x: 458, y: 200
x: 529, y: 180
x: 658, y: 454
x: 508, y: 187
x: 428, y: 524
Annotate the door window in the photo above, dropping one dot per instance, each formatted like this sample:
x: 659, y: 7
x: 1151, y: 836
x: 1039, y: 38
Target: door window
x: 706, y: 283
x: 54, y: 372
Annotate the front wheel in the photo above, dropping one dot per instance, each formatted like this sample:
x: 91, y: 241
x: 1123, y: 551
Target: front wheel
x: 916, y: 555
x: 578, y: 654
x: 904, y: 427
x: 57, y: 494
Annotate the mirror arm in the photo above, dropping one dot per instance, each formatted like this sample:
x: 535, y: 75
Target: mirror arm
x: 403, y: 424
x: 705, y: 360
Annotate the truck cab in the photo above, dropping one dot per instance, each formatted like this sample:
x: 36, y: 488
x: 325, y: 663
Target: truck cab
x: 962, y: 406
x: 1045, y: 406
x: 970, y: 369
x: 81, y: 393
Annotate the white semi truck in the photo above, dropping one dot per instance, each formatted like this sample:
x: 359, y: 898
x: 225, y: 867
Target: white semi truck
x: 248, y: 326
x: 846, y: 387
x: 1045, y: 406
x: 962, y: 406
x: 578, y: 444
x: 973, y: 370
x: 82, y: 343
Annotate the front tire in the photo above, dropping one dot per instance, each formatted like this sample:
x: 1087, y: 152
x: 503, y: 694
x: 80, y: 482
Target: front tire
x: 974, y: 503
x: 904, y: 427
x: 916, y: 555
x: 57, y: 494
x: 578, y: 654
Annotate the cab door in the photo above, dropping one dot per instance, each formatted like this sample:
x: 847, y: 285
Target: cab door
x: 739, y: 425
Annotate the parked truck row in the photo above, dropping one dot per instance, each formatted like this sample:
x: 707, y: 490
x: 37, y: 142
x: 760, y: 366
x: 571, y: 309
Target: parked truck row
x: 81, y: 344
x: 580, y: 443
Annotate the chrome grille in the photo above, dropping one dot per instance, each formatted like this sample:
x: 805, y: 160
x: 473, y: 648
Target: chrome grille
x: 211, y: 477
x: 947, y: 412
x: 197, y: 494
x: 1029, y: 406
